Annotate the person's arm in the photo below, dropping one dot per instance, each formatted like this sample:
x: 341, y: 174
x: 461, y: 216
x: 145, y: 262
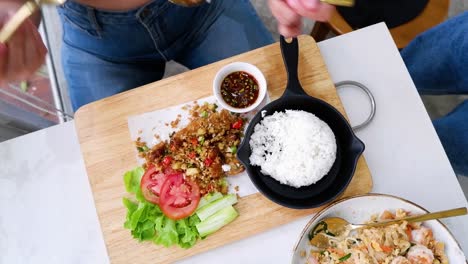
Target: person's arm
x: 289, y: 14
x: 25, y: 52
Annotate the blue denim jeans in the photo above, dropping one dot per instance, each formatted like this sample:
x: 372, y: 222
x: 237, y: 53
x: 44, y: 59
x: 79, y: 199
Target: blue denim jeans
x: 437, y: 61
x: 105, y: 53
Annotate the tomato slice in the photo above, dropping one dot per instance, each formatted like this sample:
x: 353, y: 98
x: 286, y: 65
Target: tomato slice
x: 192, y: 155
x: 169, y: 170
x: 151, y: 184
x: 208, y: 162
x: 179, y: 197
x: 237, y: 124
x: 167, y: 161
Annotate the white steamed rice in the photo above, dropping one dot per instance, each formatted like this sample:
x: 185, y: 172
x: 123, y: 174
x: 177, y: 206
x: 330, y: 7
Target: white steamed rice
x: 294, y: 147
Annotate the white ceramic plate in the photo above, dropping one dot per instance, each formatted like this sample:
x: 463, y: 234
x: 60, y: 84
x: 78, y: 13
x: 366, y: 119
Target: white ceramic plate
x: 358, y: 209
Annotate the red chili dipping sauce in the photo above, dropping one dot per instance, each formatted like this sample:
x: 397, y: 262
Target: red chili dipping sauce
x: 239, y: 89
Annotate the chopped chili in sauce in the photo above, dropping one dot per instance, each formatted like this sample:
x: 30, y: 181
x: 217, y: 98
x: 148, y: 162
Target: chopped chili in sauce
x: 239, y: 89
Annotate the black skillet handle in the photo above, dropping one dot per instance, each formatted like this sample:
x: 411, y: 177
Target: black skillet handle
x: 290, y: 52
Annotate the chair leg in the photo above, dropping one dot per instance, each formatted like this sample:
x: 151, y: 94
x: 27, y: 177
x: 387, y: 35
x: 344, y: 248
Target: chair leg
x: 320, y: 31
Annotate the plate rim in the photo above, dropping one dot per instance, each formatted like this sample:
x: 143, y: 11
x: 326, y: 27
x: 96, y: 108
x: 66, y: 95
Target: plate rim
x: 323, y: 210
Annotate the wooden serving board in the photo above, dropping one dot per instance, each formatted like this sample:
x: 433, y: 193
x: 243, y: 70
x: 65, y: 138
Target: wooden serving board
x: 109, y: 152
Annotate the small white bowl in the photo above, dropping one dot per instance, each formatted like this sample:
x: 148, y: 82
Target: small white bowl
x: 245, y: 67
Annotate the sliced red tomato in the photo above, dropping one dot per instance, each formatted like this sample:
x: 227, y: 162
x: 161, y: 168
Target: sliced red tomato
x: 237, y: 124
x: 194, y: 141
x: 179, y: 197
x: 167, y: 161
x: 208, y: 162
x: 151, y: 184
x: 192, y: 155
x: 172, y: 147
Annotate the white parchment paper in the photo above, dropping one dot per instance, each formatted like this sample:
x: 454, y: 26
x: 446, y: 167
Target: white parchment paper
x: 158, y: 122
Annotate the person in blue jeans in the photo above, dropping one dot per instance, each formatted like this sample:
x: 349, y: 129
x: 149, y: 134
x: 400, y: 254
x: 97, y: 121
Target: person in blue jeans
x: 113, y: 46
x: 105, y: 53
x: 437, y: 61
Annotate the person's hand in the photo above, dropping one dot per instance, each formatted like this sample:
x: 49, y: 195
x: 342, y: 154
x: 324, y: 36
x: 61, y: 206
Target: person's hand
x: 24, y: 53
x: 289, y: 14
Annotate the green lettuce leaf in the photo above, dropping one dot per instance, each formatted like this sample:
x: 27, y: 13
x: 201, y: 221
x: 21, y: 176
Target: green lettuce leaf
x: 166, y: 232
x: 147, y: 234
x: 141, y: 221
x: 187, y: 234
x: 139, y: 196
x: 146, y: 230
x: 137, y: 215
x: 131, y: 208
x: 153, y: 211
x: 132, y: 179
x: 193, y: 220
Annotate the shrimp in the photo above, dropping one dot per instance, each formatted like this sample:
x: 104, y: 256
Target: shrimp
x: 387, y: 215
x: 422, y: 236
x: 400, y: 260
x: 420, y: 254
x: 312, y: 260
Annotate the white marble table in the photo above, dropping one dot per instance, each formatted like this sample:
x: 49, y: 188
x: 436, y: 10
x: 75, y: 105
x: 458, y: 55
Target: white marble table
x: 47, y: 213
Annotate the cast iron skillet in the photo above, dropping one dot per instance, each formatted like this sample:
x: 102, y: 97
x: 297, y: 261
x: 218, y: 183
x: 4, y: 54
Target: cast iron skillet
x: 349, y: 147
